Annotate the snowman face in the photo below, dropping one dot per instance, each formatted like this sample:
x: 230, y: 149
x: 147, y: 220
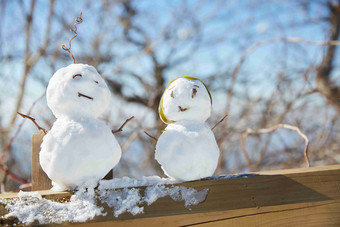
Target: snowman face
x: 185, y: 98
x: 77, y: 91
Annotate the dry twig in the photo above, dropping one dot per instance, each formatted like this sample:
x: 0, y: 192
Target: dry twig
x: 3, y: 167
x: 152, y: 137
x: 123, y: 125
x: 33, y: 120
x: 219, y: 122
x: 79, y: 20
x: 12, y: 175
x: 249, y: 132
x: 9, y: 145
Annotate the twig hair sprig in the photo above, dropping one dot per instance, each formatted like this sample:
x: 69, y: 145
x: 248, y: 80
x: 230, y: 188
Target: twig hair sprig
x: 79, y: 20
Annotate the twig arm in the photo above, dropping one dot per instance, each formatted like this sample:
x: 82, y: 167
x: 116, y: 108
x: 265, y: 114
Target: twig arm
x: 219, y: 122
x: 152, y: 137
x: 33, y: 120
x: 123, y: 125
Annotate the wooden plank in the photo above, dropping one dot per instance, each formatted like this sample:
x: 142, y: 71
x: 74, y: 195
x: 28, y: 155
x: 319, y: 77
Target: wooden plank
x: 309, y: 195
x: 40, y: 180
x: 297, y: 170
x: 305, y: 214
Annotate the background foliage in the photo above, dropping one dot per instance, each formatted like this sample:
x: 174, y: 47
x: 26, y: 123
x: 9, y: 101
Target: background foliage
x: 265, y: 62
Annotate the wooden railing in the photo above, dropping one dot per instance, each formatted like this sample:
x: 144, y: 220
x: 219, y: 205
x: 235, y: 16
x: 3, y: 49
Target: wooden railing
x: 295, y: 197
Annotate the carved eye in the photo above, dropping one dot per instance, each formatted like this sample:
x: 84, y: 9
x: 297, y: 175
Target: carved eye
x: 194, y: 91
x: 74, y: 76
x: 96, y: 82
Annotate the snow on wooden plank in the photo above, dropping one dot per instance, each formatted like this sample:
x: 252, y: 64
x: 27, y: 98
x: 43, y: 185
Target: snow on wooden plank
x: 308, y: 196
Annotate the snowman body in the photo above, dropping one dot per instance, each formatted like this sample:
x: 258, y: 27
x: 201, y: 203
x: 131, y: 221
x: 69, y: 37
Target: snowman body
x: 80, y: 149
x: 187, y: 149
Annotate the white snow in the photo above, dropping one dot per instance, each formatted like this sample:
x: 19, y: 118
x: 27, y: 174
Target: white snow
x: 190, y: 196
x: 83, y: 205
x: 65, y: 86
x: 80, y: 149
x: 125, y: 200
x: 187, y: 149
x: 30, y: 207
x: 186, y: 94
x: 132, y: 182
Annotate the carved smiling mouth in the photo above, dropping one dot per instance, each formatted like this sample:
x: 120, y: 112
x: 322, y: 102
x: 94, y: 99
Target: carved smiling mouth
x: 85, y: 96
x: 180, y: 109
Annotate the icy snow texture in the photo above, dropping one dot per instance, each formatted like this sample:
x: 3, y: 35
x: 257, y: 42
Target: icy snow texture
x: 187, y: 150
x: 82, y: 206
x: 180, y: 93
x: 122, y: 201
x: 130, y: 200
x: 190, y: 196
x: 132, y: 182
x: 32, y: 207
x: 80, y: 149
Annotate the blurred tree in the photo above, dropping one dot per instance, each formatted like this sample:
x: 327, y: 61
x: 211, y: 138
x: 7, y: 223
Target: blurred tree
x: 266, y: 63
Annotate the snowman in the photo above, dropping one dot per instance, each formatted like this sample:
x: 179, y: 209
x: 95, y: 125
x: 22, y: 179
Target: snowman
x: 80, y: 149
x: 187, y: 149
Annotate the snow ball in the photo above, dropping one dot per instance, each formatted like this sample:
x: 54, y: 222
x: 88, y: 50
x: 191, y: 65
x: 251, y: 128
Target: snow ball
x: 78, y: 91
x: 185, y: 98
x: 187, y: 151
x: 77, y: 153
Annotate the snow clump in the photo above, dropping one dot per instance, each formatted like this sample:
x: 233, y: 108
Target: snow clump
x: 30, y: 207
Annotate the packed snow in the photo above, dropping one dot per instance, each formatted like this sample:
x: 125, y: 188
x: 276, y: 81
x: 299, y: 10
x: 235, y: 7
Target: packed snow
x: 125, y: 182
x: 80, y: 149
x: 77, y: 91
x: 186, y: 99
x: 187, y: 149
x: 30, y: 207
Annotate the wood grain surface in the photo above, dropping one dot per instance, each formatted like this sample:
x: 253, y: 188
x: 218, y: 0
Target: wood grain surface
x: 299, y: 197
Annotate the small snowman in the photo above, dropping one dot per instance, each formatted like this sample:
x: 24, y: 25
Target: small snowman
x: 80, y: 149
x: 187, y: 149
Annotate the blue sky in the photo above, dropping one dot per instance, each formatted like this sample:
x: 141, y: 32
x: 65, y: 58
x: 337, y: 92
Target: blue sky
x: 260, y: 22
x: 236, y: 26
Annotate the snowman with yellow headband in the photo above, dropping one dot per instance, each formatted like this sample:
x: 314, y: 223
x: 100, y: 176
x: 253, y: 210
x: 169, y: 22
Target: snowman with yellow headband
x: 187, y: 149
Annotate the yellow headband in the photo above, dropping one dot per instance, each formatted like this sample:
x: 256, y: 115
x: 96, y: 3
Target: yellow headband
x: 160, y: 107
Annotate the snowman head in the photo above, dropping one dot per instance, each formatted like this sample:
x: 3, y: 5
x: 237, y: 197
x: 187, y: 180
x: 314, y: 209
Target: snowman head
x: 185, y: 99
x: 77, y: 91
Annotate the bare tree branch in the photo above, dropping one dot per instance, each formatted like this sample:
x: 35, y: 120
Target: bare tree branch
x: 9, y: 145
x: 323, y: 78
x: 27, y: 65
x: 11, y: 175
x: 249, y: 132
